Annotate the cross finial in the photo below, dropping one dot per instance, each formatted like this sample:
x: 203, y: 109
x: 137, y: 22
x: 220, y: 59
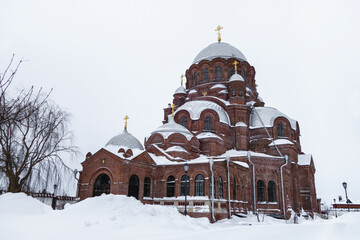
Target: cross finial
x: 126, y: 118
x: 182, y: 76
x: 219, y: 34
x: 235, y: 65
x: 172, y: 109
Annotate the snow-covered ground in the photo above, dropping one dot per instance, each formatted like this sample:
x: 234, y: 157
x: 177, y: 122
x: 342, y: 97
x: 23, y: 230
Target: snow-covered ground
x: 120, y: 217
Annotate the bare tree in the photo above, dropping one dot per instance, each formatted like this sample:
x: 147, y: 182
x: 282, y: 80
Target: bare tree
x: 33, y: 134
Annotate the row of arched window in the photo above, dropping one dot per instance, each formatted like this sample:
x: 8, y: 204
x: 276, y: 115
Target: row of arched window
x: 199, y: 188
x: 218, y: 74
x: 208, y: 123
x: 271, y: 191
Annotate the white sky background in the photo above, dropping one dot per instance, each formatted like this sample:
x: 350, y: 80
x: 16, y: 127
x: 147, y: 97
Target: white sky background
x: 106, y: 59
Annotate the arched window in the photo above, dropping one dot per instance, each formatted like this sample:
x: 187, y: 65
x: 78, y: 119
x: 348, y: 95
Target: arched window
x: 280, y: 130
x: 102, y: 185
x: 234, y: 190
x: 147, y: 187
x: 272, y: 191
x: 212, y: 188
x: 240, y: 92
x: 218, y: 73
x: 199, y: 185
x: 261, y: 191
x: 170, y: 186
x: 234, y: 92
x: 183, y: 121
x: 208, y: 124
x: 195, y: 78
x: 133, y: 190
x: 184, y: 185
x: 243, y: 73
x: 205, y: 75
x: 232, y: 71
x: 221, y: 191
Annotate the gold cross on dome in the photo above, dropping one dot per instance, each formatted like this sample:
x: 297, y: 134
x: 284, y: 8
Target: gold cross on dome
x: 172, y: 109
x: 235, y: 65
x: 219, y: 34
x: 182, y: 76
x: 126, y: 118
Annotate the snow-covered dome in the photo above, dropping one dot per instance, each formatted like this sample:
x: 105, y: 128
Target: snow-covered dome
x: 236, y: 77
x: 180, y: 89
x: 172, y: 127
x: 125, y: 139
x: 221, y: 49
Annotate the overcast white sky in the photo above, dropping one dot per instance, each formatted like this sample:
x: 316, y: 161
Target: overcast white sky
x: 106, y: 59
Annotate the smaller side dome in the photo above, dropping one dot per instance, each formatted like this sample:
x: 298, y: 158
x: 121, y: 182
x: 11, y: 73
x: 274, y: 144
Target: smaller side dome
x: 125, y: 139
x: 236, y: 77
x: 180, y: 89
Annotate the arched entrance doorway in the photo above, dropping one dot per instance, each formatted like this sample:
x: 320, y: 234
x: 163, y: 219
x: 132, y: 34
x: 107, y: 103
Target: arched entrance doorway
x: 102, y: 185
x: 134, y: 187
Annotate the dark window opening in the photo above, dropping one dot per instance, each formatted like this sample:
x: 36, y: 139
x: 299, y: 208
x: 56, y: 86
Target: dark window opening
x: 260, y: 191
x: 102, y: 185
x: 218, y: 72
x: 147, y: 187
x: 232, y: 71
x: 221, y: 191
x: 272, y: 191
x: 208, y: 124
x: 183, y: 122
x: 170, y: 187
x: 195, y: 78
x: 133, y: 190
x: 205, y: 75
x: 243, y: 73
x: 233, y: 92
x: 240, y: 92
x: 280, y: 130
x: 199, y: 185
x: 184, y: 185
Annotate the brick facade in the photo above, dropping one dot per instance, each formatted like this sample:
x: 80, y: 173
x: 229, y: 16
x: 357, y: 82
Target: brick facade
x: 250, y: 170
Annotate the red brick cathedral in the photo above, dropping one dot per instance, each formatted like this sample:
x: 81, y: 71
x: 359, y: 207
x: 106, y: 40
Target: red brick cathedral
x: 242, y: 156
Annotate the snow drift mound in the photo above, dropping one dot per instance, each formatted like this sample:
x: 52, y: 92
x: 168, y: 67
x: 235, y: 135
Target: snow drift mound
x: 21, y: 204
x: 127, y: 211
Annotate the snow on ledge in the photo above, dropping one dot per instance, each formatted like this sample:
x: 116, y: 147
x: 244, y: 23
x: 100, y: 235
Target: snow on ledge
x: 208, y: 135
x: 281, y: 141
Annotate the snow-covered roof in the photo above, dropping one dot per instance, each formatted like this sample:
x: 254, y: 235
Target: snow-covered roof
x: 281, y: 141
x: 115, y: 150
x: 196, y: 107
x: 176, y: 149
x: 224, y: 91
x: 180, y: 89
x: 208, y: 135
x: 267, y: 115
x: 304, y: 159
x: 221, y: 49
x: 125, y: 139
x: 236, y: 77
x: 192, y: 91
x: 219, y: 85
x: 240, y: 124
x: 172, y: 127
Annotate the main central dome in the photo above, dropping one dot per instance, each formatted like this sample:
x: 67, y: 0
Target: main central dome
x: 220, y: 49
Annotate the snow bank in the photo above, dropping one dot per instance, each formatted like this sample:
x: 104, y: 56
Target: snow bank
x: 120, y: 217
x: 21, y: 204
